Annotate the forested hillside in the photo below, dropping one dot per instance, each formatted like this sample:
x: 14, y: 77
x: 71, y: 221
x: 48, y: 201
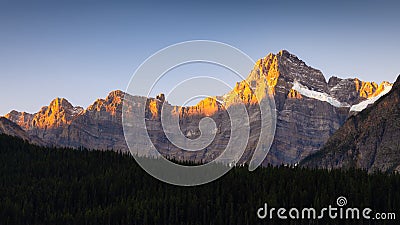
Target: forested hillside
x: 63, y: 186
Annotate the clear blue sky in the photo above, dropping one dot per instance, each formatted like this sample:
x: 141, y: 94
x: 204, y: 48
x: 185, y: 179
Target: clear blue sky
x: 81, y: 50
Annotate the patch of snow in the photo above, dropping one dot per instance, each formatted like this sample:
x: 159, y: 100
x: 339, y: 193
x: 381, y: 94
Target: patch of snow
x: 303, y: 90
x: 77, y: 110
x: 362, y: 105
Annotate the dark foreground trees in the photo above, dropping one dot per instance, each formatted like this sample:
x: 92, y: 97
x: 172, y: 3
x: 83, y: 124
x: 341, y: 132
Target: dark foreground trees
x: 64, y: 186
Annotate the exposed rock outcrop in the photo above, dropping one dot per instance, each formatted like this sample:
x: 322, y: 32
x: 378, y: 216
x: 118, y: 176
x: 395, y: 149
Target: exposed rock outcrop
x: 9, y: 128
x: 368, y: 140
x: 309, y: 111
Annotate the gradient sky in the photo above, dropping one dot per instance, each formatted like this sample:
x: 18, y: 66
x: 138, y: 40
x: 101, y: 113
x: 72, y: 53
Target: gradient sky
x: 81, y: 50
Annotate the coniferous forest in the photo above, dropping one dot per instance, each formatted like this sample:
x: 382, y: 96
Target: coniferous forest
x: 64, y: 186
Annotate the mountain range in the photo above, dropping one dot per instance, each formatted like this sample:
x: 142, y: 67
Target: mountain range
x: 313, y: 116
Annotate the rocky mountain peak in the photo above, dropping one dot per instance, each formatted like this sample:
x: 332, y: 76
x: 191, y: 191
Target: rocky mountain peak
x: 285, y: 53
x: 59, y: 104
x: 333, y: 81
x: 117, y: 94
x: 60, y: 112
x: 366, y: 89
x: 111, y: 104
x: 354, y: 91
x: 283, y: 68
x: 23, y: 119
x: 309, y: 110
x: 381, y: 88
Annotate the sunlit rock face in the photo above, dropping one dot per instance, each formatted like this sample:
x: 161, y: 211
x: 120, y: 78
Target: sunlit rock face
x: 304, y: 123
x: 369, y: 140
x: 309, y: 110
x: 49, y: 122
x: 353, y: 90
x: 23, y: 119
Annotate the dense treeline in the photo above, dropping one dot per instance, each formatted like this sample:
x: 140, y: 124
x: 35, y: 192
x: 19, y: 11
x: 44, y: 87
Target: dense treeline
x: 64, y: 186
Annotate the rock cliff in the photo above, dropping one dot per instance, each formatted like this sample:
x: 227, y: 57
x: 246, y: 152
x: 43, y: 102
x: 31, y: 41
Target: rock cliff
x: 368, y: 140
x: 309, y: 110
x: 9, y: 128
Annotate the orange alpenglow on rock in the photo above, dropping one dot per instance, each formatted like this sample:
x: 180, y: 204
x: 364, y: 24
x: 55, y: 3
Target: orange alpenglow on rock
x: 369, y: 89
x: 294, y: 94
x: 153, y: 107
x: 208, y: 106
x: 55, y: 115
x: 245, y: 93
x: 269, y: 68
x: 205, y: 107
x: 273, y: 74
x: 381, y: 88
x: 112, y: 104
x: 366, y: 89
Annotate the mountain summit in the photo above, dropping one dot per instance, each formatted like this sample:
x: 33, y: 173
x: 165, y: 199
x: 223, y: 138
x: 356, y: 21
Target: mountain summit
x: 309, y: 111
x: 60, y: 112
